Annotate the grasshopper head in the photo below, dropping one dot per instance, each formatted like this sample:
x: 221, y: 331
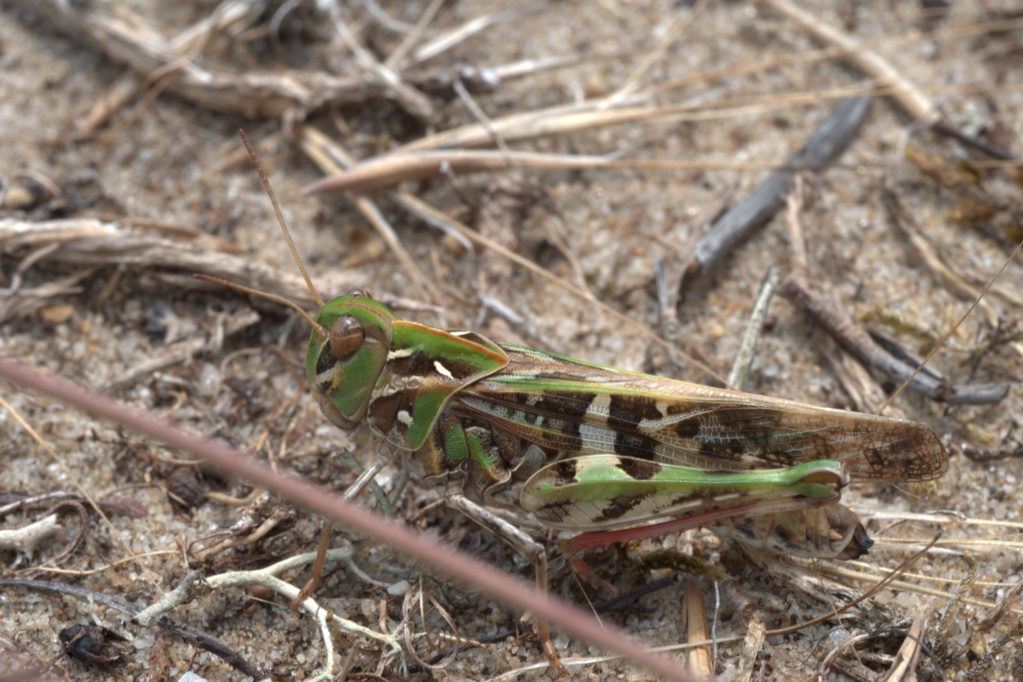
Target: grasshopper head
x: 343, y: 367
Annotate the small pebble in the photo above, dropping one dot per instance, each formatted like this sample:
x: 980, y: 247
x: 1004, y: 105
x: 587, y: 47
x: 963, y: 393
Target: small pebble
x: 398, y: 588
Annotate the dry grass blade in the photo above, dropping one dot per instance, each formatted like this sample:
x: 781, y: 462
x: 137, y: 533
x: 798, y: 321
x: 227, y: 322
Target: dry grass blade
x: 588, y: 116
x: 862, y: 573
x: 453, y: 37
x: 902, y: 222
x: 904, y: 667
x: 751, y: 647
x: 391, y: 169
x: 678, y: 27
x: 183, y: 350
x: 414, y: 101
x: 700, y: 661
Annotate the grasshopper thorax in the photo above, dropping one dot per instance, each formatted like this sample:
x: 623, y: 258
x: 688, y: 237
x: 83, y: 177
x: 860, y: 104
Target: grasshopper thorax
x: 346, y: 355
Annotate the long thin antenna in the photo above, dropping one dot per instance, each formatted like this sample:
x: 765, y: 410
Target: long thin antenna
x: 280, y: 219
x: 273, y: 297
x: 951, y: 331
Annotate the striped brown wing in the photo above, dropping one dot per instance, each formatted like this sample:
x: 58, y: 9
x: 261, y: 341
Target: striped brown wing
x: 576, y: 407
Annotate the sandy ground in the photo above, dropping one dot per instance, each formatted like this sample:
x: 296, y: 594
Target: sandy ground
x: 155, y: 168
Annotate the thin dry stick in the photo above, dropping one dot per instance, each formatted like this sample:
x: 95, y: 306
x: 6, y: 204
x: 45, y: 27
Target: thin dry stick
x: 912, y: 101
x: 506, y: 153
x: 178, y: 352
x: 888, y: 580
x: 459, y: 34
x: 904, y: 225
x: 837, y: 572
x: 390, y: 169
x: 317, y: 149
x: 394, y: 167
x: 902, y: 41
x: 484, y: 120
x: 236, y: 15
x: 937, y: 347
x: 592, y: 115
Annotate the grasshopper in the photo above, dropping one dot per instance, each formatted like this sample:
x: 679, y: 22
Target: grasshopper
x: 609, y: 454
x: 617, y: 455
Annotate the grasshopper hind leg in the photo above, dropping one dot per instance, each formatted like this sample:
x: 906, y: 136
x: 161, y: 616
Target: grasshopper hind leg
x: 526, y: 546
x: 828, y: 532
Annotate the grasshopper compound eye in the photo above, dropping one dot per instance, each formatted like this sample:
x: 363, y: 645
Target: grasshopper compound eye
x: 359, y: 293
x: 346, y: 336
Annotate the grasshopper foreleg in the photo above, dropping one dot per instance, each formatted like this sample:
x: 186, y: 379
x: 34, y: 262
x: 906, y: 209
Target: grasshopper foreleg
x: 360, y: 483
x: 522, y: 543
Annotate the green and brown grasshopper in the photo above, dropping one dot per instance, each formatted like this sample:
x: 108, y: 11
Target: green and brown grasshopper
x: 611, y: 454
x: 618, y: 455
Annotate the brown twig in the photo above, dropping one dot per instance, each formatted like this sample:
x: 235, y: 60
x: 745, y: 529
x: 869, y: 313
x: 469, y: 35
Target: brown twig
x: 799, y: 290
x: 754, y: 210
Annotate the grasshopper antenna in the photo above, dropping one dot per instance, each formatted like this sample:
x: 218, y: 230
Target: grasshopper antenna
x: 273, y: 297
x: 280, y: 219
x: 951, y: 331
